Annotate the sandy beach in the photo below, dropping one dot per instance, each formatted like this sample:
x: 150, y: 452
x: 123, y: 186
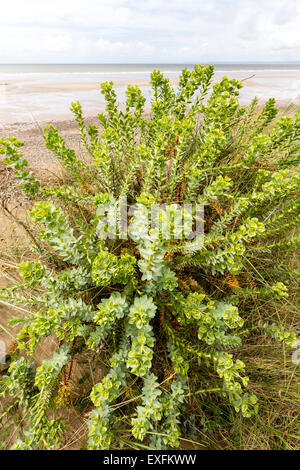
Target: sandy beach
x: 33, y: 96
x: 45, y: 94
x: 31, y: 133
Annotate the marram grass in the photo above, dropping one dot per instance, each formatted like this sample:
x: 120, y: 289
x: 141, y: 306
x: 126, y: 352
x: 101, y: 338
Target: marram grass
x: 165, y: 318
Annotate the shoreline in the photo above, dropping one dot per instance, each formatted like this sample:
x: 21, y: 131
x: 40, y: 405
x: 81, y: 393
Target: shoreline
x: 40, y: 158
x: 47, y: 97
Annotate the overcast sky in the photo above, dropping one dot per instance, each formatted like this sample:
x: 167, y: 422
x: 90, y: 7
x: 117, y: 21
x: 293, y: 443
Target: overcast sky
x: 180, y: 31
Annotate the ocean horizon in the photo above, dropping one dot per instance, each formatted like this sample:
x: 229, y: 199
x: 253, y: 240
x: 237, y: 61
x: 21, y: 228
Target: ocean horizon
x: 140, y: 67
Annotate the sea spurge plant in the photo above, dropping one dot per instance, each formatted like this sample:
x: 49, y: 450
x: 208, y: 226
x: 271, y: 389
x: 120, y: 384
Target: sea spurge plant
x: 13, y: 158
x: 20, y: 381
x: 279, y: 333
x: 57, y: 231
x: 108, y: 268
x: 150, y: 411
x: 160, y: 295
x: 51, y: 367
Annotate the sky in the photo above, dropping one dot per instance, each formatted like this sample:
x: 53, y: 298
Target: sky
x: 149, y: 31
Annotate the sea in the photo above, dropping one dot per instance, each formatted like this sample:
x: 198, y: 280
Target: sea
x: 41, y: 92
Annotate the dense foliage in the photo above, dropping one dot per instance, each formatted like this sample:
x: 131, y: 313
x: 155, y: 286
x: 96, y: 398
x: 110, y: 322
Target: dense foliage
x: 168, y: 313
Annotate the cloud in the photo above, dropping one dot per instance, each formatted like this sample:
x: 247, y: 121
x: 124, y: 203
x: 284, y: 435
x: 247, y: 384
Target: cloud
x: 58, y: 43
x: 149, y: 31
